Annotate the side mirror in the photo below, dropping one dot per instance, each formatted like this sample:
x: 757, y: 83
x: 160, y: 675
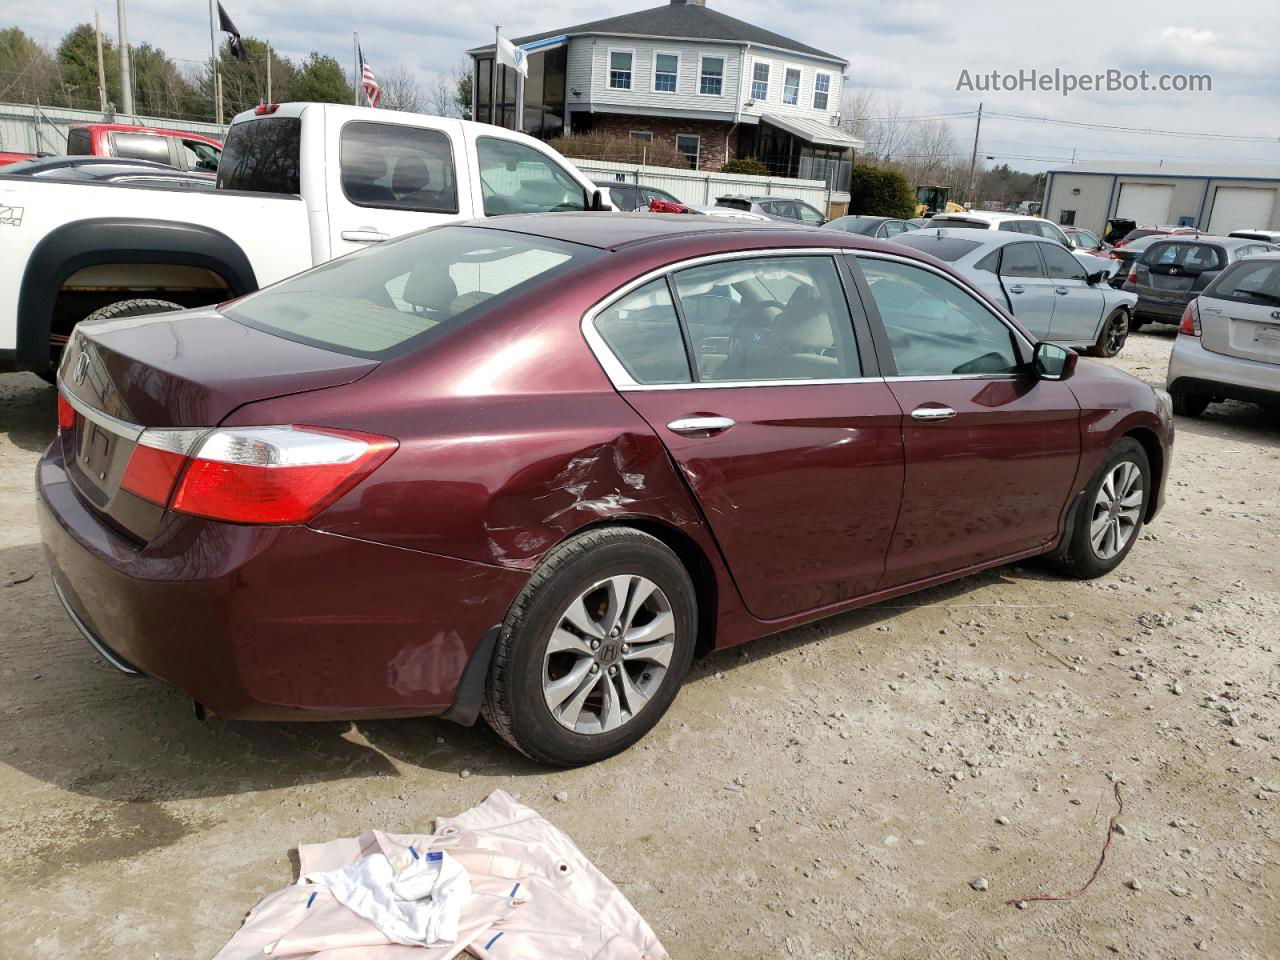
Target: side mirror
x: 1095, y: 278
x: 1054, y: 362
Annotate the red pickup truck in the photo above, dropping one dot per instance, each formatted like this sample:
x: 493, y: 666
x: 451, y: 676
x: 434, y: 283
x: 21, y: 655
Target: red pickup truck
x: 186, y: 151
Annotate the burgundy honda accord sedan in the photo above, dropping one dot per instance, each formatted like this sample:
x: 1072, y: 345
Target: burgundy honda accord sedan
x: 529, y: 467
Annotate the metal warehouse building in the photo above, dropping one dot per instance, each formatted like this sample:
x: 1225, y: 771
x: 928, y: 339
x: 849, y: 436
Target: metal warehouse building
x: 1216, y: 198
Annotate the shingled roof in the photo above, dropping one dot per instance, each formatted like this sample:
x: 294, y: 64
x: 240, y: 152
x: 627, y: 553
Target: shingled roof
x: 679, y: 21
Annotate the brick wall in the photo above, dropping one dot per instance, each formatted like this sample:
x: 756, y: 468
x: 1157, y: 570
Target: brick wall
x: 664, y: 129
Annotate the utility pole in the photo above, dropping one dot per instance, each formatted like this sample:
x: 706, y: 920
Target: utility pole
x: 493, y: 77
x: 126, y: 78
x: 215, y: 76
x: 973, y: 160
x: 102, y: 73
x: 356, y: 73
x: 268, y: 73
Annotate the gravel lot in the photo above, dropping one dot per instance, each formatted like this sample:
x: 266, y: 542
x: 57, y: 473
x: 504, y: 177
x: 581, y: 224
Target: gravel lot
x: 836, y: 791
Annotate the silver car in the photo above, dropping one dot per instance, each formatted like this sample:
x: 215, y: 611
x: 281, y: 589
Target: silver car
x: 1228, y: 344
x: 1039, y: 282
x: 774, y: 208
x: 1174, y: 270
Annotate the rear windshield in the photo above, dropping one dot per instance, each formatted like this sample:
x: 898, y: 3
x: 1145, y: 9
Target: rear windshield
x: 958, y: 222
x: 262, y: 155
x: 735, y: 203
x: 1251, y: 281
x: 392, y: 298
x: 1193, y: 257
x: 943, y: 247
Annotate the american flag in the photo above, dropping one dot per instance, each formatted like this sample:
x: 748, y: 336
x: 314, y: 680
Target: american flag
x: 372, y: 92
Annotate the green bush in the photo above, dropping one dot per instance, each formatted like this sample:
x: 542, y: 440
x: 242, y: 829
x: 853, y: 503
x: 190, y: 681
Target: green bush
x: 607, y: 146
x: 747, y: 165
x: 880, y: 192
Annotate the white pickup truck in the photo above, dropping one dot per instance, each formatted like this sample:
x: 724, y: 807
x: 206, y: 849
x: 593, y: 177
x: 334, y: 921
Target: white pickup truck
x: 298, y: 184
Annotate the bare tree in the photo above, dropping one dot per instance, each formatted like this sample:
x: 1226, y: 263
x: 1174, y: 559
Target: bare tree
x: 442, y: 99
x: 401, y: 90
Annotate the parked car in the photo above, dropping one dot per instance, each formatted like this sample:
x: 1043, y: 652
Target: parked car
x: 1266, y: 236
x: 1228, y: 344
x: 883, y: 228
x: 111, y: 170
x: 1086, y: 241
x: 1037, y: 281
x: 379, y: 560
x: 1171, y: 272
x: 1032, y: 226
x: 82, y: 248
x: 1125, y: 255
x: 1139, y: 233
x: 775, y: 208
x: 186, y: 151
x: 919, y: 221
x: 633, y: 196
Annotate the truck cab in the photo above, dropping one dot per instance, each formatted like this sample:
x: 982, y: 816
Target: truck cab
x: 186, y: 151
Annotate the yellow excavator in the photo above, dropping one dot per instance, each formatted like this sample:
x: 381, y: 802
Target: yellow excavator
x: 932, y: 198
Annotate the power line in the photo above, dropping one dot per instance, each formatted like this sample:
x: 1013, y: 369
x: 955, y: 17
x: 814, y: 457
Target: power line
x: 1142, y: 131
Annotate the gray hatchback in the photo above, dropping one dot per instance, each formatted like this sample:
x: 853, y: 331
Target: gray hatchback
x: 1174, y: 270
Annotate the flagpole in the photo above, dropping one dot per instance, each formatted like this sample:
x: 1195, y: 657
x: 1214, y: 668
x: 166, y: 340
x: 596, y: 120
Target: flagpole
x: 493, y: 77
x: 268, y: 73
x: 355, y: 70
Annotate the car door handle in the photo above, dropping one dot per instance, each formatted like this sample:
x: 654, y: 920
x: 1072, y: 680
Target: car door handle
x: 1062, y: 291
x: 364, y: 235
x: 700, y: 425
x: 1018, y: 288
x: 929, y: 414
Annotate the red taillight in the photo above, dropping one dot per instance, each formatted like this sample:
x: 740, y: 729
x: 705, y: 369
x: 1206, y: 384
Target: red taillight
x: 263, y: 109
x: 1190, y: 324
x: 152, y: 472
x: 666, y: 206
x: 66, y: 413
x: 1133, y: 276
x: 276, y: 475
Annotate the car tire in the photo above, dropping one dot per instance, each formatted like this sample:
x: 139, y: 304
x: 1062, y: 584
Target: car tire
x: 1114, y: 333
x: 1189, y: 404
x: 581, y: 578
x: 1079, y: 554
x: 121, y: 308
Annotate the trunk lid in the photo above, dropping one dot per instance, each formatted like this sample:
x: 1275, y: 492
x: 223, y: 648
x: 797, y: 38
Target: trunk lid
x: 1234, y: 328
x: 188, y: 369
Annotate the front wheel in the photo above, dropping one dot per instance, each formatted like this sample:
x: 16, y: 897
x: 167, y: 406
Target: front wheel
x: 1106, y: 523
x: 1114, y: 333
x: 594, y: 649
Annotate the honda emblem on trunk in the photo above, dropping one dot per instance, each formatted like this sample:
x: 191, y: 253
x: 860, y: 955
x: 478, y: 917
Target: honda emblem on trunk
x: 82, y: 365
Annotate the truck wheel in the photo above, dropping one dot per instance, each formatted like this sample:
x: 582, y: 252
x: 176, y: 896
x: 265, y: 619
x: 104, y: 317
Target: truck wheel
x: 1107, y: 521
x: 1114, y: 332
x: 121, y: 308
x: 594, y: 648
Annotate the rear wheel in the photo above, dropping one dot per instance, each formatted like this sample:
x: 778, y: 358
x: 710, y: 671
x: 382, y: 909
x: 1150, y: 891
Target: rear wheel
x: 112, y: 311
x: 1189, y: 404
x: 594, y: 649
x: 1114, y: 332
x: 1106, y: 523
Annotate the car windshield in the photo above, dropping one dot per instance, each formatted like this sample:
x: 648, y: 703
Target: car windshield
x: 393, y: 297
x: 938, y: 245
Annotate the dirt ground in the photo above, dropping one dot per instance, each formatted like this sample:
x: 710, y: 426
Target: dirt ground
x: 828, y: 793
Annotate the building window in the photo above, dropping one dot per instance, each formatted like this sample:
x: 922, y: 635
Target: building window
x: 666, y: 70
x: 689, y: 144
x: 711, y: 77
x: 791, y: 86
x: 620, y: 69
x: 760, y: 81
x: 821, y: 91
x: 1067, y: 217
x: 645, y: 135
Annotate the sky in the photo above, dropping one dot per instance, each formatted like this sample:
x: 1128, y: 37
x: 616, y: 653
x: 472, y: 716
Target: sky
x: 911, y: 52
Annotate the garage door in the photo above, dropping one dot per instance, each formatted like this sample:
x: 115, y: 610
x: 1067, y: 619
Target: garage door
x: 1146, y: 204
x: 1241, y: 208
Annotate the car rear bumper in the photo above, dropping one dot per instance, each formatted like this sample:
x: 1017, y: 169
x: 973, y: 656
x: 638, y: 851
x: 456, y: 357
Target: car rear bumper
x: 1161, y: 309
x: 271, y: 622
x: 1195, y: 370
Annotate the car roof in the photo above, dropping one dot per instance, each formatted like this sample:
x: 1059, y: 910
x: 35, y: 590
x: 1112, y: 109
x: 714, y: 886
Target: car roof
x: 863, y: 216
x: 1230, y: 243
x: 990, y: 216
x: 990, y: 238
x: 613, y: 231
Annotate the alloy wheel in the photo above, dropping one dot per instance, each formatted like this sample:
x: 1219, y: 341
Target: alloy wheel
x: 608, y: 654
x: 1116, y: 510
x: 1117, y: 333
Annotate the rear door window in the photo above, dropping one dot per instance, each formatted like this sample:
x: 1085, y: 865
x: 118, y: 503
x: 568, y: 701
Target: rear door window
x: 397, y: 167
x: 199, y: 155
x: 1062, y: 265
x: 1021, y: 260
x: 262, y: 155
x: 141, y: 146
x: 515, y: 178
x: 387, y: 299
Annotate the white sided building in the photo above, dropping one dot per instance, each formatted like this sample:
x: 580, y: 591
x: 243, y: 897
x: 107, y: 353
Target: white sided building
x: 1216, y: 198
